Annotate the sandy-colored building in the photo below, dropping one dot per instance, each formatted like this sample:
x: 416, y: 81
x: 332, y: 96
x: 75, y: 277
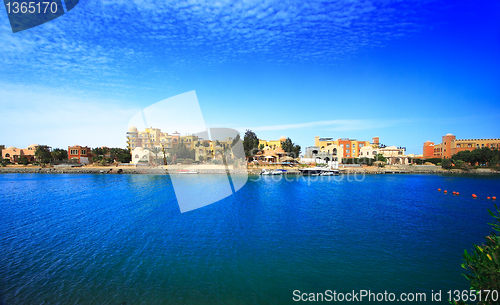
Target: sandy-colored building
x: 450, y: 145
x: 273, y: 144
x: 14, y: 153
x: 350, y: 147
x: 152, y: 137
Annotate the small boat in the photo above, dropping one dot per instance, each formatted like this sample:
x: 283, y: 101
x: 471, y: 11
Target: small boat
x: 278, y: 172
x: 330, y: 172
x: 314, y: 171
x: 186, y: 171
x: 265, y: 172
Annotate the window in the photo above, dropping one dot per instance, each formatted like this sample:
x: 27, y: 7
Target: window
x: 347, y: 145
x: 361, y: 145
x: 458, y: 145
x: 353, y: 145
x: 7, y: 155
x: 342, y: 145
x: 482, y: 145
x: 469, y: 145
x: 477, y: 145
x: 374, y: 153
x: 84, y: 151
x: 347, y: 150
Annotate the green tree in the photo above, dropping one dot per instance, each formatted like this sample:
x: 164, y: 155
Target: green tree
x: 484, y: 262
x: 23, y: 160
x: 206, y: 144
x: 42, y: 154
x: 287, y: 145
x: 380, y: 157
x: 59, y: 154
x: 156, y: 150
x: 250, y: 143
x: 261, y: 146
x: 236, y: 148
x: 296, y: 151
x: 446, y: 163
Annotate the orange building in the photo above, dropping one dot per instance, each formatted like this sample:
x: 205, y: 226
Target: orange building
x: 450, y: 145
x: 80, y: 153
x: 350, y: 147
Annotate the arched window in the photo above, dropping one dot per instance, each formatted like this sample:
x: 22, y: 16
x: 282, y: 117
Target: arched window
x: 334, y: 151
x: 374, y: 153
x: 137, y: 156
x: 7, y: 155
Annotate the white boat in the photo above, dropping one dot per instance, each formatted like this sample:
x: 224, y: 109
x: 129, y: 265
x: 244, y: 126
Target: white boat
x: 186, y: 171
x: 278, y: 172
x: 265, y: 172
x: 318, y: 171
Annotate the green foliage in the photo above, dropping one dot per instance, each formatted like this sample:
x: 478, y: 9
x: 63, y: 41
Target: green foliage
x: 250, y: 143
x: 237, y: 150
x: 201, y: 158
x: 261, y: 146
x: 206, y: 144
x: 42, y: 154
x: 484, y: 262
x: 380, y: 157
x: 433, y: 160
x: 180, y: 151
x: 292, y: 149
x: 23, y: 160
x: 59, y: 154
x: 446, y: 163
x: 482, y: 156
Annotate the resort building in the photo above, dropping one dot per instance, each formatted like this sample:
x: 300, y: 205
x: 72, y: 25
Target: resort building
x: 450, y: 145
x: 272, y: 144
x: 206, y: 149
x: 350, y: 147
x: 143, y: 156
x: 14, y: 154
x: 152, y: 137
x: 80, y: 153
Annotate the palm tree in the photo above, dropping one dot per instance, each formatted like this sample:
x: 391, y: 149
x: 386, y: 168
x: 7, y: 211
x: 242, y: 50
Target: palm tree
x: 155, y: 150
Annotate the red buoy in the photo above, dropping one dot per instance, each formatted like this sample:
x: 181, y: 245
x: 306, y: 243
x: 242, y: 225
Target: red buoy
x: 439, y: 190
x: 445, y: 191
x: 488, y: 197
x: 474, y: 196
x: 454, y: 192
x: 458, y: 193
x: 494, y: 198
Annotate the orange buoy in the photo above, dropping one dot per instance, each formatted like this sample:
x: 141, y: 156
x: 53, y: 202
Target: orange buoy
x: 454, y: 192
x: 458, y: 193
x: 445, y: 191
x: 488, y: 197
x: 474, y: 196
x: 494, y: 198
x: 439, y: 190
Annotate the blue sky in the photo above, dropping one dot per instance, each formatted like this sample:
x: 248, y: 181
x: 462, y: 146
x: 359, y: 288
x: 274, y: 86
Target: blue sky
x: 406, y: 71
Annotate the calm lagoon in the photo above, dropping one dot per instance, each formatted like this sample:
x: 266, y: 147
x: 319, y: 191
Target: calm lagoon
x: 111, y: 239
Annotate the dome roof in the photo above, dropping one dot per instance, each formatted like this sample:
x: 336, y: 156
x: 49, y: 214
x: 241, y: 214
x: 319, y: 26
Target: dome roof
x: 33, y: 145
x: 282, y: 139
x: 138, y: 149
x: 132, y: 129
x: 448, y: 134
x: 11, y: 147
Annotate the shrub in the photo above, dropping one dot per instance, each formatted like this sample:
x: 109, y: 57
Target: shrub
x: 446, y: 163
x: 484, y: 262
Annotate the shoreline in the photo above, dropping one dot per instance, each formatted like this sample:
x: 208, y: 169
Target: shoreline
x: 250, y: 171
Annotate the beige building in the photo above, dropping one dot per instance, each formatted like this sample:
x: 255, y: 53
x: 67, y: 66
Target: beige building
x: 14, y: 153
x: 152, y: 137
x: 350, y: 147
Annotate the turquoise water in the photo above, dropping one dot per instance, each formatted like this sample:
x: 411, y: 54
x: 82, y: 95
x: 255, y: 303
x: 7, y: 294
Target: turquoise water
x: 111, y: 239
